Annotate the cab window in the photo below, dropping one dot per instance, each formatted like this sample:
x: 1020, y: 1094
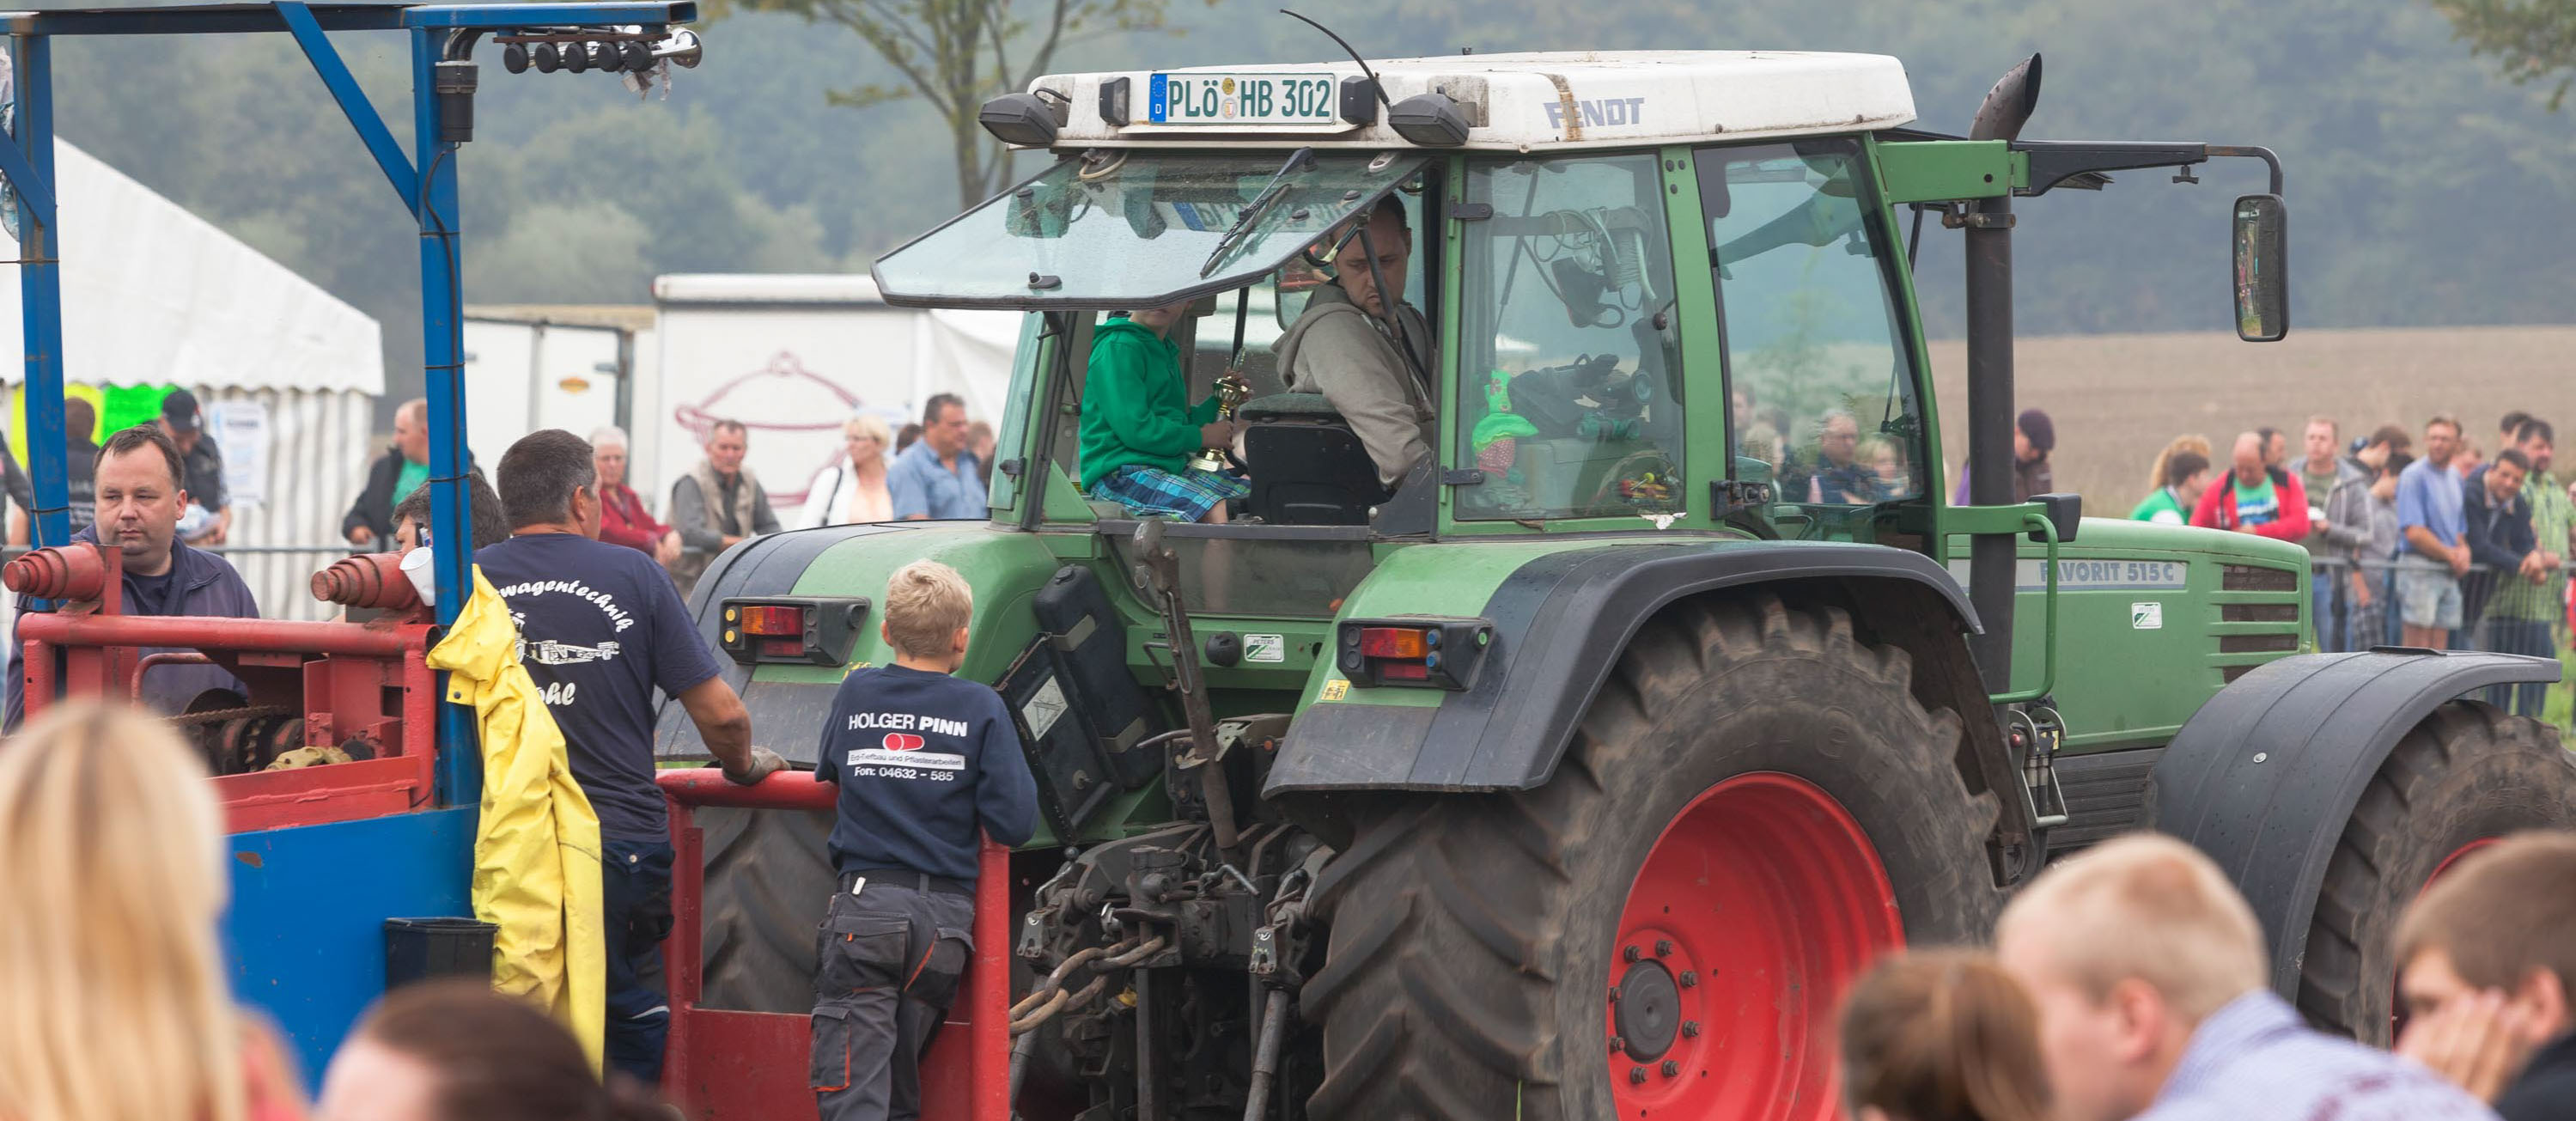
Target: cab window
x: 1566, y: 379
x: 1821, y: 385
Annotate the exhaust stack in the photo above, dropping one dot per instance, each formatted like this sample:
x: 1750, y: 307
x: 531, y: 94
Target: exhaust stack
x: 1991, y: 565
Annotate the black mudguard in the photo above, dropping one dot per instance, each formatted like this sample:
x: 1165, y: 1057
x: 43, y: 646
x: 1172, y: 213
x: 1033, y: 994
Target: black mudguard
x: 2265, y: 775
x: 1560, y: 623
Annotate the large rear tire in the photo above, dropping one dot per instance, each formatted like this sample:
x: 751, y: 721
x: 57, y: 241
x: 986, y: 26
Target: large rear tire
x: 2466, y: 775
x: 768, y: 875
x: 1753, y: 807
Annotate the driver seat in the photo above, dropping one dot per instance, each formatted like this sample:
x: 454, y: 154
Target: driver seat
x: 1307, y: 466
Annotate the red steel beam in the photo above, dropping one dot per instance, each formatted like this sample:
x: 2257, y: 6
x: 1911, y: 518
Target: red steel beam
x: 219, y: 633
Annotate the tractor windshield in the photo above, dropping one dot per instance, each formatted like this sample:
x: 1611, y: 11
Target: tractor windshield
x: 1119, y: 229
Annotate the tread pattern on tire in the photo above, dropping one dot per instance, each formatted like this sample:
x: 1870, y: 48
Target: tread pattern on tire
x: 2465, y: 772
x: 768, y: 873
x: 1456, y: 918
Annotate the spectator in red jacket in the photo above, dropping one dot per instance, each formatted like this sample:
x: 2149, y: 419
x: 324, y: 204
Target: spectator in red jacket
x: 2261, y: 500
x: 622, y: 517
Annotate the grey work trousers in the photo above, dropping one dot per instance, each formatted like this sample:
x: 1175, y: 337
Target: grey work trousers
x: 887, y: 965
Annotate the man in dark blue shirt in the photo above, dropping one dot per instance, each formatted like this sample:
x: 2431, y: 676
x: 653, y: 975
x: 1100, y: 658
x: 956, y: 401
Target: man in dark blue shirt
x: 140, y: 498
x: 922, y: 759
x: 600, y: 627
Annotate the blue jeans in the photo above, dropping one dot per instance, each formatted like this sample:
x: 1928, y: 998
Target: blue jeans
x: 2520, y: 636
x: 635, y: 916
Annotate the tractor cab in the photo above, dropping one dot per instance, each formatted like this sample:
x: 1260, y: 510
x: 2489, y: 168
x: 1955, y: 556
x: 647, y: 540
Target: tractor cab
x: 1643, y: 319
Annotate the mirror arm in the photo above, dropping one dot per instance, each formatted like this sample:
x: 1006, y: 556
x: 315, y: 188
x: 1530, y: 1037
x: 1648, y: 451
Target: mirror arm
x: 2251, y: 152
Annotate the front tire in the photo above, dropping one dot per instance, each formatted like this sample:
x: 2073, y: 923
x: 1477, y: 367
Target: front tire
x: 2465, y: 776
x: 1754, y: 806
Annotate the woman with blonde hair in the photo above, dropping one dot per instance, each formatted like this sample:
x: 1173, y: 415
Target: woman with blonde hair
x: 1941, y: 1035
x: 853, y: 488
x: 117, y: 1007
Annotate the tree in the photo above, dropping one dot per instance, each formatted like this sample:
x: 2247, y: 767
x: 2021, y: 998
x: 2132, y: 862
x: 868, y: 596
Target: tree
x: 2533, y: 40
x: 954, y: 54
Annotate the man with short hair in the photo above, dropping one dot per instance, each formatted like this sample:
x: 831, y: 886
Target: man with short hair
x: 600, y: 628
x: 140, y: 497
x: 2500, y: 537
x: 935, y: 478
x: 2276, y: 446
x: 718, y: 504
x: 1840, y: 478
x: 2431, y: 557
x: 1367, y: 351
x: 2522, y: 615
x: 185, y: 425
x: 2509, y: 430
x: 2320, y: 472
x: 2147, y: 970
x: 2186, y: 479
x: 2254, y: 498
x: 2487, y: 974
x: 395, y: 475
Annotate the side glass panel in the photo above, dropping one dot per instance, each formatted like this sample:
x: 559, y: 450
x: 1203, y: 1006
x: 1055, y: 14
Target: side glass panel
x: 1822, y: 384
x: 1567, y: 388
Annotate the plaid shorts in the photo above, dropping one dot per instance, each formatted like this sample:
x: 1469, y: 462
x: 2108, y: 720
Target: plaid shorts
x: 1148, y: 491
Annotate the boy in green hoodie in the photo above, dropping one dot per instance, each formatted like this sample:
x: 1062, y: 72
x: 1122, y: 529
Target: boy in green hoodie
x: 1139, y: 429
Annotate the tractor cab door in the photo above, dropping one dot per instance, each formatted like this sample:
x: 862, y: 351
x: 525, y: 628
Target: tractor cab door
x: 1826, y: 427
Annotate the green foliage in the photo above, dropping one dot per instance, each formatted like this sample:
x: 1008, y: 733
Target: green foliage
x: 2532, y: 40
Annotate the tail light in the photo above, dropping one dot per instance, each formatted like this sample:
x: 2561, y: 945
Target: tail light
x: 798, y: 630
x: 1422, y: 650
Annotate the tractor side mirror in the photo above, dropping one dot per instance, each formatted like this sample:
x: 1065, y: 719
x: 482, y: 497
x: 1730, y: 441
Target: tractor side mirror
x: 2262, y: 274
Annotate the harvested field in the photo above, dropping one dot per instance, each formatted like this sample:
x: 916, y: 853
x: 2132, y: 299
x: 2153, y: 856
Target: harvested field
x: 2118, y: 398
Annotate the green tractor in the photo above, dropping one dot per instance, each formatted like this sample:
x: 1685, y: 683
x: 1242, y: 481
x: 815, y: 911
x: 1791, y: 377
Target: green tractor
x: 1575, y: 773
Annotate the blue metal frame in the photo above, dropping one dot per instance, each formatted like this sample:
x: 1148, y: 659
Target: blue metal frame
x: 426, y: 183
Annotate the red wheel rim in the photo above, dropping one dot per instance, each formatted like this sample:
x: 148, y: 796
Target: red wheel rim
x: 1758, y: 905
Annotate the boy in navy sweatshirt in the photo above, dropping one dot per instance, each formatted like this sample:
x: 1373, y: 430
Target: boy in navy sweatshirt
x: 922, y: 759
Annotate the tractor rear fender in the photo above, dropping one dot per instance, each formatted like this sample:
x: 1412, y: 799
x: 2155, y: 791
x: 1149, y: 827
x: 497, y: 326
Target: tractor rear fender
x: 2265, y: 775
x: 1560, y: 623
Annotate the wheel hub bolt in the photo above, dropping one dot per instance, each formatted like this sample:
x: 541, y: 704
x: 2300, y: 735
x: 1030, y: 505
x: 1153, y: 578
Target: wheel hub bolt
x: 1617, y: 1044
x: 1671, y: 1068
x: 1690, y: 978
x: 1636, y: 1075
x: 1629, y: 954
x: 1690, y: 1029
x: 1663, y: 947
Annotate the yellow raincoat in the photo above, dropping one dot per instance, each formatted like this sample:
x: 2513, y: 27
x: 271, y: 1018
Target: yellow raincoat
x: 536, y: 850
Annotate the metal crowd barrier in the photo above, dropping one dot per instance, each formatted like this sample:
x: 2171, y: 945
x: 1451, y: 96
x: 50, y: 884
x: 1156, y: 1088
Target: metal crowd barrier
x: 2357, y: 615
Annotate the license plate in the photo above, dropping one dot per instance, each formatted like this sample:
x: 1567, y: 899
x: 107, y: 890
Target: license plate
x: 1244, y: 99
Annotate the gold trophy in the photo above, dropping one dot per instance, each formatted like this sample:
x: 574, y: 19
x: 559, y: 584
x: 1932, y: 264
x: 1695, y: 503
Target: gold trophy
x: 1230, y: 392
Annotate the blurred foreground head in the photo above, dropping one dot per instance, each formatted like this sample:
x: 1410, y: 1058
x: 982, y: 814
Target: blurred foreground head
x: 454, y: 1050
x: 116, y: 1002
x: 1941, y: 1035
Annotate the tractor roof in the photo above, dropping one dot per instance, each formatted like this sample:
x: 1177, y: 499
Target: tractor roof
x: 1512, y: 102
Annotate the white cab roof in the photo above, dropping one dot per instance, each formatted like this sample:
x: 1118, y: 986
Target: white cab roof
x: 1524, y: 102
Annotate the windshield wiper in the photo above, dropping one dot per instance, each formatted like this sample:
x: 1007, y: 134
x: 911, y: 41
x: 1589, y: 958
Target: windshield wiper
x: 1259, y: 206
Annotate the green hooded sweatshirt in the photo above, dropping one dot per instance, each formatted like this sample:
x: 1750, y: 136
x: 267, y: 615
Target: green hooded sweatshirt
x: 1135, y: 406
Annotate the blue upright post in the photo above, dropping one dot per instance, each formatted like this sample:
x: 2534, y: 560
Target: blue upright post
x: 40, y: 291
x: 460, y: 765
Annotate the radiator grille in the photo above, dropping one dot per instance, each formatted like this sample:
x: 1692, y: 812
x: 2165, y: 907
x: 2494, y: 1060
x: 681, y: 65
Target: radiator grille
x: 2251, y: 578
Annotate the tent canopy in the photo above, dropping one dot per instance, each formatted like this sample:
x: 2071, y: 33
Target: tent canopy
x: 154, y: 295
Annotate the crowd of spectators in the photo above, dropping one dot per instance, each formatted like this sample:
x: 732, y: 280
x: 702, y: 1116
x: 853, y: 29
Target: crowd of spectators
x: 2436, y: 543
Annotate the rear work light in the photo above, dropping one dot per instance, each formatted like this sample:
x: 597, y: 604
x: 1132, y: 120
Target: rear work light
x: 795, y: 630
x: 1441, y: 653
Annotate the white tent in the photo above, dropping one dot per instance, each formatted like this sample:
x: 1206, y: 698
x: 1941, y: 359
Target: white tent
x: 154, y: 295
